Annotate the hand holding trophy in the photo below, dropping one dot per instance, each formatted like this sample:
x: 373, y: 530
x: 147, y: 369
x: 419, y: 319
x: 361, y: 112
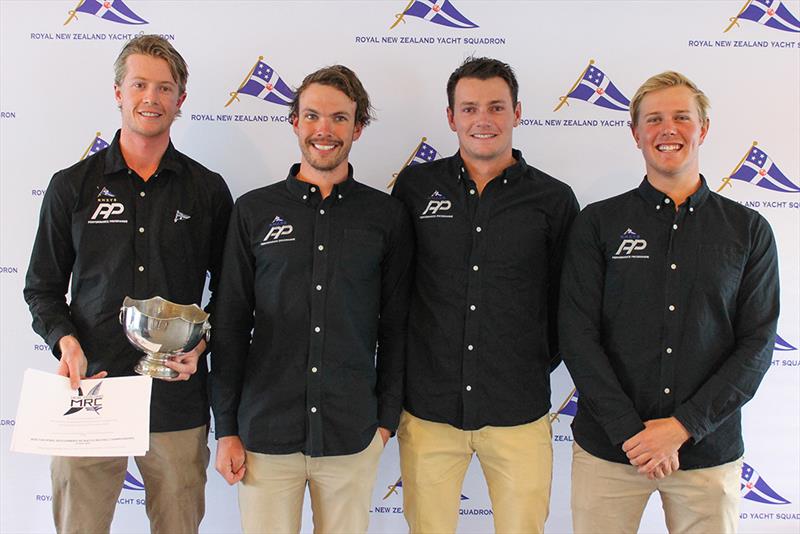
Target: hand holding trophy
x: 161, y: 329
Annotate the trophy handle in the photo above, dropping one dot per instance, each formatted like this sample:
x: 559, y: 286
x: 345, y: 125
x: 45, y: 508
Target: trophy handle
x: 122, y: 315
x: 207, y: 331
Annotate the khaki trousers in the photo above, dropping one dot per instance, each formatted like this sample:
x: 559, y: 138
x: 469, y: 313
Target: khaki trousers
x: 85, y: 490
x: 271, y: 492
x: 517, y: 463
x: 608, y: 497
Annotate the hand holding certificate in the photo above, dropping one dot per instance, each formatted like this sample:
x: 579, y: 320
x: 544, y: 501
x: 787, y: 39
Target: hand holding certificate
x: 103, y: 417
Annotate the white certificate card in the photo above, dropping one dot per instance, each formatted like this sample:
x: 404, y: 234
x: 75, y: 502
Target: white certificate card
x: 103, y: 417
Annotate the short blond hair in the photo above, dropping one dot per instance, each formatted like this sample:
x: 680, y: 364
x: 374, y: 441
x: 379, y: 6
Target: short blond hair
x: 665, y: 80
x: 154, y: 46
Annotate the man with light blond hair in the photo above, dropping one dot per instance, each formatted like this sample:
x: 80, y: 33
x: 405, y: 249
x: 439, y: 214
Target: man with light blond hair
x: 669, y: 303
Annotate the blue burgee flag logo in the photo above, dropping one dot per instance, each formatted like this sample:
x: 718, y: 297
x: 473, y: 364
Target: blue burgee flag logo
x: 441, y: 12
x: 97, y: 144
x: 568, y: 407
x: 595, y: 87
x: 424, y: 153
x: 755, y: 488
x: 757, y: 168
x: 132, y: 483
x: 264, y: 83
x: 770, y: 13
x: 113, y: 10
x: 783, y: 345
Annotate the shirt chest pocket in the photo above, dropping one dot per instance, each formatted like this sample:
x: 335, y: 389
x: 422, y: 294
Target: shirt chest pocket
x: 361, y: 253
x: 719, y: 270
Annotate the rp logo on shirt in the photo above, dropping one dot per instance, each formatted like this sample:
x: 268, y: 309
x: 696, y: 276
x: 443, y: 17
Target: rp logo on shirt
x: 631, y: 246
x: 437, y: 203
x: 108, y: 212
x: 278, y: 232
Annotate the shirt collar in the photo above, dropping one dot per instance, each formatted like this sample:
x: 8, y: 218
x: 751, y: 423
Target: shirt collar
x: 659, y: 200
x: 517, y: 170
x: 303, y: 190
x: 114, y: 162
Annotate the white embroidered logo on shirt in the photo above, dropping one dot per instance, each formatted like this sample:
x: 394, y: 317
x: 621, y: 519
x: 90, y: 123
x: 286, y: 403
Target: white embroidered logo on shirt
x: 277, y: 232
x: 437, y: 203
x: 180, y: 216
x: 630, y: 247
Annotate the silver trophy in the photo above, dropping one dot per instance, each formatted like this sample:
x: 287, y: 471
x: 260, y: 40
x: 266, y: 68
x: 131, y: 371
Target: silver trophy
x: 161, y: 329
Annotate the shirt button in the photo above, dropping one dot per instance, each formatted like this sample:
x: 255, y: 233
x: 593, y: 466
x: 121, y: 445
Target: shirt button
x: 472, y: 307
x: 671, y: 307
x: 141, y: 229
x: 470, y: 347
x: 305, y: 197
x: 340, y: 197
x: 141, y: 268
x: 658, y: 207
x: 321, y: 247
x: 505, y: 181
x: 313, y: 409
x: 474, y: 267
x: 313, y: 189
x: 666, y: 391
x: 666, y: 201
x: 313, y: 369
x: 673, y: 266
x: 468, y: 388
x: 674, y: 226
x: 322, y: 212
x: 471, y: 191
x: 319, y: 287
x: 691, y: 209
x: 141, y: 193
x: 477, y: 228
x: 669, y: 350
x: 317, y: 329
x: 130, y: 171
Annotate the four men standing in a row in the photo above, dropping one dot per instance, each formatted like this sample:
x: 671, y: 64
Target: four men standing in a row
x: 668, y: 305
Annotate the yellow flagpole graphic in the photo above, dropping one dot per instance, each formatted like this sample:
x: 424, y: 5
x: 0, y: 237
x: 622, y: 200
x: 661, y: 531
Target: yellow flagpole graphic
x: 394, y: 175
x: 234, y: 94
x: 73, y: 13
x: 88, y: 148
x: 563, y: 99
x: 392, y: 488
x: 554, y: 416
x: 399, y: 16
x: 727, y: 180
x: 734, y: 20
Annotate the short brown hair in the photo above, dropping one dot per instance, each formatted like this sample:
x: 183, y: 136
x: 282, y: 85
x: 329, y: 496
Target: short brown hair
x: 155, y: 46
x: 483, y: 68
x: 345, y: 80
x: 665, y: 80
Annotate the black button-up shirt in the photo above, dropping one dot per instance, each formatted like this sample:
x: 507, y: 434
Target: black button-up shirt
x: 319, y: 282
x: 116, y: 236
x: 482, y: 334
x: 668, y: 313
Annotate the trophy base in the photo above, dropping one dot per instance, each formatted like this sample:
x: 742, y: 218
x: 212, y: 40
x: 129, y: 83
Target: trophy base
x: 154, y: 368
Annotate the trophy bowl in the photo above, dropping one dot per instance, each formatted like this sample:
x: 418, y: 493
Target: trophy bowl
x: 161, y: 329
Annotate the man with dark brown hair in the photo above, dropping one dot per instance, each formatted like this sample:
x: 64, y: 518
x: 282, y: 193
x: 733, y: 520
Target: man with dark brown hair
x: 316, y: 275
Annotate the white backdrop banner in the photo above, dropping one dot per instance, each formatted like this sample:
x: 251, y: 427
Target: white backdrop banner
x: 56, y: 105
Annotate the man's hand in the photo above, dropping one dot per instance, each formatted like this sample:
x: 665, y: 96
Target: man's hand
x: 73, y: 362
x: 660, y: 439
x: 385, y: 434
x: 230, y: 461
x: 666, y: 468
x: 186, y: 364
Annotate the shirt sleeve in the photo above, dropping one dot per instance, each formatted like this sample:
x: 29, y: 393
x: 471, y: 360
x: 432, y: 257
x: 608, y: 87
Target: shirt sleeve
x: 49, y: 271
x: 755, y: 322
x: 231, y: 335
x: 580, y: 334
x: 565, y: 214
x: 222, y: 205
x: 396, y: 277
